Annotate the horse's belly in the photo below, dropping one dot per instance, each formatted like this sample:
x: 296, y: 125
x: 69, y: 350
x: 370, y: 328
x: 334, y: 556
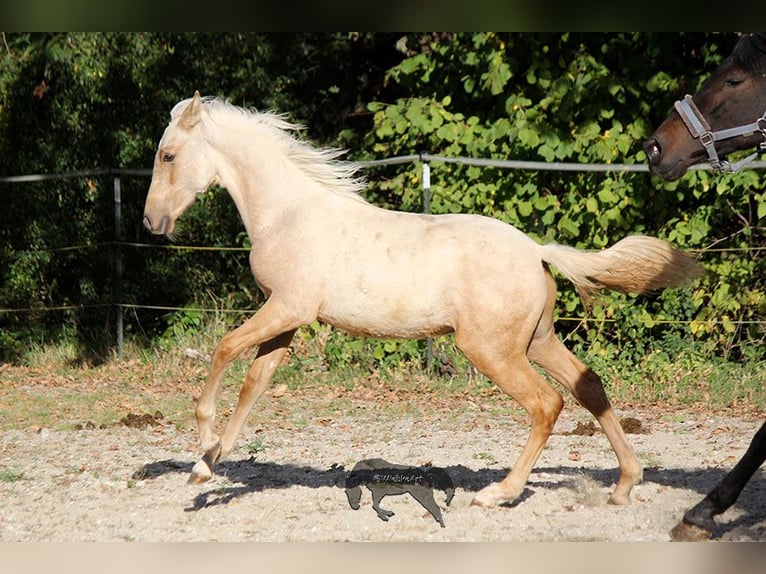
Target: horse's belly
x: 395, y: 321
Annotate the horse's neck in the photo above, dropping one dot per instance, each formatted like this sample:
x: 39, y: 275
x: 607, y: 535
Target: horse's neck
x: 262, y: 182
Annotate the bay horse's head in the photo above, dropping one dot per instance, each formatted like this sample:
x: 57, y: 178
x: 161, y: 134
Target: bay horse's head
x: 728, y: 113
x: 183, y: 167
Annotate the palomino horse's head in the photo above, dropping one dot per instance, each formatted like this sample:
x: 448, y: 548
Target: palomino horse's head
x: 183, y: 167
x: 727, y: 114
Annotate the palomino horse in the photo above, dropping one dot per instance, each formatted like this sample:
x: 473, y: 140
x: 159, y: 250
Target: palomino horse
x: 320, y: 252
x: 730, y: 108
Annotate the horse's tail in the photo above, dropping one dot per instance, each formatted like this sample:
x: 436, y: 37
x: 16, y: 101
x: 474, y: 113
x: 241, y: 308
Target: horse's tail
x: 636, y: 264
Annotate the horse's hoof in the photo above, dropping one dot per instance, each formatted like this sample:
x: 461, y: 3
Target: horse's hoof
x: 492, y: 495
x: 200, y: 473
x: 619, y: 499
x: 477, y: 501
x: 685, y: 532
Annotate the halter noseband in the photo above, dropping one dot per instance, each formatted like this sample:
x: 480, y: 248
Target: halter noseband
x: 699, y: 129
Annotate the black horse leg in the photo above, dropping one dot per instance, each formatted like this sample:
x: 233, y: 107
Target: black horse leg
x: 727, y: 491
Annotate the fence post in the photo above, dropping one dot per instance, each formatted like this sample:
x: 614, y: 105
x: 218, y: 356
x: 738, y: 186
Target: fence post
x: 427, y: 209
x: 117, y: 286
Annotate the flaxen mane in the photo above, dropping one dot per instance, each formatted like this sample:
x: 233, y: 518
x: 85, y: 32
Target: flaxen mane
x: 321, y: 165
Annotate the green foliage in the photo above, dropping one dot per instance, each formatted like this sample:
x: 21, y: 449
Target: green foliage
x: 10, y: 476
x: 677, y: 371
x: 180, y: 323
x: 341, y: 351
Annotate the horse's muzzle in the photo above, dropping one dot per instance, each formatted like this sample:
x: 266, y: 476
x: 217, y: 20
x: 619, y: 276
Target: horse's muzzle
x: 661, y: 165
x: 162, y: 229
x: 653, y: 151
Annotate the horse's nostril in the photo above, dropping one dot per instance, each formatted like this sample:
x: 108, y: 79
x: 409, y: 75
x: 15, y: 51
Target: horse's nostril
x: 653, y: 151
x: 162, y: 228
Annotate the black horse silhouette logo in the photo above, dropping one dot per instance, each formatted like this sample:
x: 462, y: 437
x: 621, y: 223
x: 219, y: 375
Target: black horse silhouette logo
x: 386, y: 479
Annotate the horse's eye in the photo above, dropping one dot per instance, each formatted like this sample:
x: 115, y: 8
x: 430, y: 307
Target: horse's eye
x: 168, y: 157
x: 731, y: 82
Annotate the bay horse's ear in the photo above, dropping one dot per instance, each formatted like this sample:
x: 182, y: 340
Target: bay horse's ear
x: 759, y: 41
x: 191, y: 114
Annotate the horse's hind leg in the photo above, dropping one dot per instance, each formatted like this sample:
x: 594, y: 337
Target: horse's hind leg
x: 270, y: 355
x: 550, y: 353
x: 515, y: 376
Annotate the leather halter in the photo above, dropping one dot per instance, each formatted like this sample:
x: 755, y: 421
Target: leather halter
x: 699, y: 129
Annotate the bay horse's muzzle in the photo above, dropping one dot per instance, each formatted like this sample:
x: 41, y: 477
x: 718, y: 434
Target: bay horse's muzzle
x: 658, y: 164
x: 653, y: 151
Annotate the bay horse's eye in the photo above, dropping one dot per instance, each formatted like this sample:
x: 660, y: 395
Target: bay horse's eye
x: 731, y: 82
x: 168, y: 157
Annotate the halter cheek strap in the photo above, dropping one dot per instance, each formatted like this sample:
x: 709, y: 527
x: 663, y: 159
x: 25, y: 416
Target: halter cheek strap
x: 699, y: 129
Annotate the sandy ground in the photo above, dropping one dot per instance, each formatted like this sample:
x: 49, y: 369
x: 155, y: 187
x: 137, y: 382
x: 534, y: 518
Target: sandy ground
x: 125, y: 483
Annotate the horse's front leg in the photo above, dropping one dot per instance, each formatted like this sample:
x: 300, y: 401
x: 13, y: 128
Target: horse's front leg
x: 698, y: 522
x: 273, y: 331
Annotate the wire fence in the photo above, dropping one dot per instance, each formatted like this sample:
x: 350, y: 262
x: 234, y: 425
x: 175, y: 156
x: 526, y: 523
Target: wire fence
x: 426, y: 160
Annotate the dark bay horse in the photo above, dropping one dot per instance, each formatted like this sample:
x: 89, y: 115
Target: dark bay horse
x: 727, y: 114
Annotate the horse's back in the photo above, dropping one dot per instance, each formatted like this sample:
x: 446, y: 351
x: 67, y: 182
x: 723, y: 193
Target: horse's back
x: 409, y: 275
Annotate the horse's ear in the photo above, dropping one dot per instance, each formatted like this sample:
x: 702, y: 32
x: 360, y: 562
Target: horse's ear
x: 759, y: 41
x: 191, y: 114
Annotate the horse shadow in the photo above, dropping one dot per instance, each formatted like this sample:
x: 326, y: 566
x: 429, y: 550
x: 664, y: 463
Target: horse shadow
x: 248, y: 475
x: 383, y: 478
